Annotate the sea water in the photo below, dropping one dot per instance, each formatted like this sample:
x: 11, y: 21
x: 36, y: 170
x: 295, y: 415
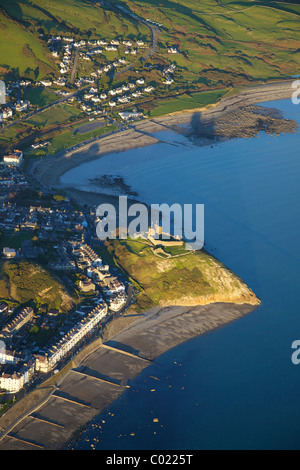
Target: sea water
x: 236, y: 387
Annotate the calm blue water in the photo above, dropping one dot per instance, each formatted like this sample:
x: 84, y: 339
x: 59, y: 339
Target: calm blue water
x: 234, y: 388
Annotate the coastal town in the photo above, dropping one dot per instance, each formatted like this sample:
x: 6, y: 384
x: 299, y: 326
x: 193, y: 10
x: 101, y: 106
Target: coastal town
x: 37, y: 339
x: 49, y: 230
x: 127, y: 130
x: 84, y: 71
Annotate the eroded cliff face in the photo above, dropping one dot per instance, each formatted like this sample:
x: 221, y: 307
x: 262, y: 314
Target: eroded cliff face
x: 190, y: 301
x: 226, y: 287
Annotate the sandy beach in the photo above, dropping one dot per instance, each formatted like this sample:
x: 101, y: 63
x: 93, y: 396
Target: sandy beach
x: 92, y: 383
x: 49, y: 420
x: 49, y: 170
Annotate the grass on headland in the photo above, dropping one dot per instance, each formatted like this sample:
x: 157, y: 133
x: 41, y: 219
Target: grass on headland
x: 181, y: 277
x: 186, y: 102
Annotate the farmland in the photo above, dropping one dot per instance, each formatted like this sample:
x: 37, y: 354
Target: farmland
x: 212, y: 47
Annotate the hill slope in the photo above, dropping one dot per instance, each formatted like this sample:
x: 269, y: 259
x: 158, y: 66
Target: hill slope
x: 25, y: 281
x: 174, y: 276
x: 226, y: 42
x: 221, y: 43
x: 24, y: 52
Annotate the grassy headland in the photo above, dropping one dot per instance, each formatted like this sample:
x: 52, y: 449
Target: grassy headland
x: 173, y: 276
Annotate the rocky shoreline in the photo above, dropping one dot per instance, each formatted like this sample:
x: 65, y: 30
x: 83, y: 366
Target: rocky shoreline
x: 91, y: 385
x: 219, y: 122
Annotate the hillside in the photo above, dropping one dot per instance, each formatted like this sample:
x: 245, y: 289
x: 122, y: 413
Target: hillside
x: 24, y: 52
x: 26, y: 281
x: 174, y: 276
x: 226, y: 42
x: 221, y: 43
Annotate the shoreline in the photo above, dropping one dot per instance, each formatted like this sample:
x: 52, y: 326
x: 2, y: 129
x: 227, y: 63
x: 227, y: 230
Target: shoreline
x: 49, y: 170
x: 138, y: 343
x: 92, y: 383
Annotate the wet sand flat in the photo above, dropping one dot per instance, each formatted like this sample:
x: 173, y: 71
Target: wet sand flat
x: 104, y: 375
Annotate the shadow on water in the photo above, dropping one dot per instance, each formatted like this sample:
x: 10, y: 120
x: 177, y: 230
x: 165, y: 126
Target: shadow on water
x: 202, y: 129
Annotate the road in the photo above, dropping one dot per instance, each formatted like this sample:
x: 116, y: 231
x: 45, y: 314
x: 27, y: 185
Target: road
x: 154, y: 32
x: 153, y: 29
x: 74, y: 66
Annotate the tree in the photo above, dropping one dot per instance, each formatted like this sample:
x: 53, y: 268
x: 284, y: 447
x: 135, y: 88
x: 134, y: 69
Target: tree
x: 34, y: 329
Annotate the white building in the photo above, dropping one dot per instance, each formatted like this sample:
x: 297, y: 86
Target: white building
x: 44, y: 363
x: 8, y: 357
x: 46, y: 83
x: 14, y: 158
x: 22, y: 106
x: 127, y: 116
x: 9, y: 252
x: 14, y: 381
x: 173, y: 50
x: 5, y: 113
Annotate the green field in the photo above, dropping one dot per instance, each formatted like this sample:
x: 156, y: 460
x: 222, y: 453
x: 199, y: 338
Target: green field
x: 186, y: 102
x: 67, y: 139
x: 58, y: 114
x: 24, y: 53
x: 228, y: 42
x: 14, y: 240
x: 39, y: 96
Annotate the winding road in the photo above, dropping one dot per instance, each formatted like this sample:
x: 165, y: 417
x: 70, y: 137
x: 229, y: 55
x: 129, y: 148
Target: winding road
x: 154, y: 32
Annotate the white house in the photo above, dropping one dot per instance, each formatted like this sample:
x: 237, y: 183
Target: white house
x: 127, y: 116
x: 46, y: 82
x: 9, y: 252
x: 15, y: 380
x: 22, y: 106
x: 173, y: 50
x: 6, y: 113
x: 13, y: 158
